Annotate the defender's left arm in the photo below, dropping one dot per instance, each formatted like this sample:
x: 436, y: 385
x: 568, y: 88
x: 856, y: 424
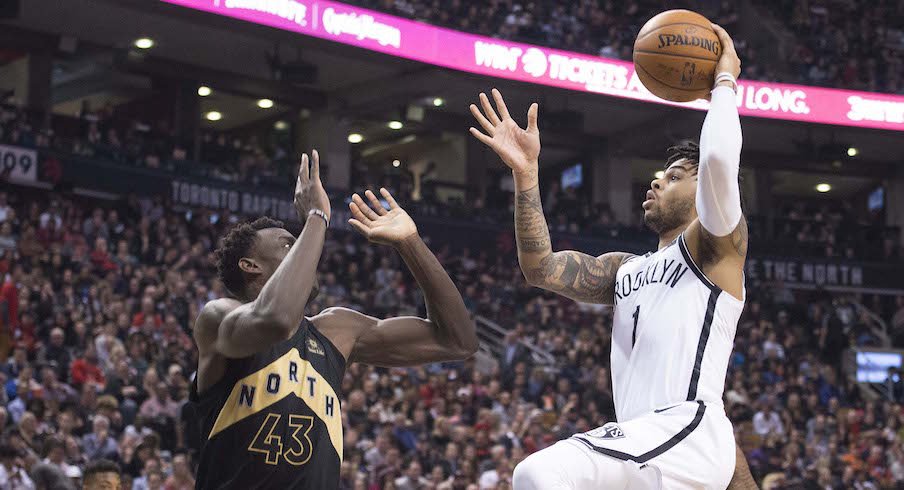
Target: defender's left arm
x: 447, y: 334
x: 718, y: 238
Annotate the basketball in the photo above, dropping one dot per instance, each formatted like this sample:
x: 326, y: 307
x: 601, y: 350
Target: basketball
x: 675, y: 55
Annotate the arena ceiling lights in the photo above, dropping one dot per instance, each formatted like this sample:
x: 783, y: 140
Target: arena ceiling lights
x: 144, y: 43
x: 501, y: 58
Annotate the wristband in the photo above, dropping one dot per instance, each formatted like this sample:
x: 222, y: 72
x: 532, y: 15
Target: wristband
x: 726, y: 77
x: 320, y: 214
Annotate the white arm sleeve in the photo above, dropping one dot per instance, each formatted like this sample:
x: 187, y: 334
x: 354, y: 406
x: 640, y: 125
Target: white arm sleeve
x: 718, y: 194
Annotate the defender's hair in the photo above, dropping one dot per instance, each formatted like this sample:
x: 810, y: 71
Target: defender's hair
x: 237, y: 244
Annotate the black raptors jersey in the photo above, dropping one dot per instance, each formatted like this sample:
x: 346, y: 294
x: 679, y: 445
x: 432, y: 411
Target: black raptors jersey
x: 273, y: 421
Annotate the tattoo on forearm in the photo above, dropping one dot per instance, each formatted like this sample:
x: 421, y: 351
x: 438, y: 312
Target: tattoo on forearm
x: 573, y: 274
x: 578, y: 276
x: 533, y: 244
x: 529, y: 220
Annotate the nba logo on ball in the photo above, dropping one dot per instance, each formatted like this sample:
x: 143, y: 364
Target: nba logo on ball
x: 608, y: 431
x: 687, y: 75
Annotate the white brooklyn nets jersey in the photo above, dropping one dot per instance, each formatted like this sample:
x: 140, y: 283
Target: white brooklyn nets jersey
x: 672, y: 334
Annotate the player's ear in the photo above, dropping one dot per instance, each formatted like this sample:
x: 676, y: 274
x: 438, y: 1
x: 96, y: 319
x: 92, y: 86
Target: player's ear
x: 249, y: 265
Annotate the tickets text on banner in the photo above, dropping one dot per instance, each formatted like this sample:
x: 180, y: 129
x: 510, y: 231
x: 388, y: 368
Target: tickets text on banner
x: 498, y: 58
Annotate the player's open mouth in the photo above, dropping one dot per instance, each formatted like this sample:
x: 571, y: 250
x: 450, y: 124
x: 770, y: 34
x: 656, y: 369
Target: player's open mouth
x: 651, y: 196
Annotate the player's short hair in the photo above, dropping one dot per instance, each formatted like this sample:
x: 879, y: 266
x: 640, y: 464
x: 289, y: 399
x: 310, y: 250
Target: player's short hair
x: 684, y: 150
x: 99, y: 466
x: 236, y: 244
x: 690, y: 152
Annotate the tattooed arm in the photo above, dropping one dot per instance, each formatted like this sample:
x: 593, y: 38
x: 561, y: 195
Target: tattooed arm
x: 575, y: 275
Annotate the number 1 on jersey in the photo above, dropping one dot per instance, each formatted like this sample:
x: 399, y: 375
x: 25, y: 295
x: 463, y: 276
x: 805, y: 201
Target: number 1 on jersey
x: 636, y: 316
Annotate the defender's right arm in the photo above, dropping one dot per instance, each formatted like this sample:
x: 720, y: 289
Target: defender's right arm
x: 575, y: 275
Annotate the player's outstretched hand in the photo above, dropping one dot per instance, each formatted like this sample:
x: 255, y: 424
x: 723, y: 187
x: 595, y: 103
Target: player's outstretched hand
x: 309, y: 191
x: 380, y: 225
x: 518, y: 148
x: 729, y: 61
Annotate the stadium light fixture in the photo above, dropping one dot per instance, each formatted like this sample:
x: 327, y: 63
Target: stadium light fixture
x: 659, y: 174
x: 852, y: 152
x: 438, y: 102
x: 823, y: 187
x: 265, y: 103
x: 396, y: 163
x: 355, y: 138
x: 204, y: 91
x: 395, y: 125
x: 213, y: 116
x: 144, y: 43
x: 281, y: 125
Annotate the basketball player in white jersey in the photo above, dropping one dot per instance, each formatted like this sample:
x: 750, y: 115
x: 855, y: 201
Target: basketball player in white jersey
x: 676, y: 309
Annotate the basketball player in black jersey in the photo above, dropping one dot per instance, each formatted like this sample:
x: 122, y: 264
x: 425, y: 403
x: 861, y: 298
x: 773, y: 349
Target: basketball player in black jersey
x: 268, y: 383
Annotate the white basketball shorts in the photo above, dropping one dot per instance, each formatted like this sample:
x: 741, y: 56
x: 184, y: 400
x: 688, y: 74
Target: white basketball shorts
x: 685, y: 446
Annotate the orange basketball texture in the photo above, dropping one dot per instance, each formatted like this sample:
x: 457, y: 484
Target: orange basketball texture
x: 675, y: 55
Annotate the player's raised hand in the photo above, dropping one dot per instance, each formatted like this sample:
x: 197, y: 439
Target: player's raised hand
x: 380, y: 225
x: 518, y: 148
x: 309, y: 191
x: 729, y: 61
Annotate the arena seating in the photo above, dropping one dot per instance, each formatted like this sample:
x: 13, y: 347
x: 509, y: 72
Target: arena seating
x: 99, y: 298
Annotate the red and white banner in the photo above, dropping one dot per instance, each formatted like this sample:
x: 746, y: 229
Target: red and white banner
x: 515, y: 61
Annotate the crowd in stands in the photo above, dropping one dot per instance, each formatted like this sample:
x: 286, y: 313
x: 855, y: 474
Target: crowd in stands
x: 819, y: 230
x: 101, y: 134
x: 98, y: 300
x: 855, y: 44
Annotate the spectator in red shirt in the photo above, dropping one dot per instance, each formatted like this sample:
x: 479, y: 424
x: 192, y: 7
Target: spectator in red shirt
x: 9, y: 300
x: 85, y: 369
x: 100, y: 257
x: 147, y: 309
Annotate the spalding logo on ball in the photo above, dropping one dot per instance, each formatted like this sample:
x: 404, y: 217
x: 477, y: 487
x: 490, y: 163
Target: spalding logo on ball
x: 675, y: 55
